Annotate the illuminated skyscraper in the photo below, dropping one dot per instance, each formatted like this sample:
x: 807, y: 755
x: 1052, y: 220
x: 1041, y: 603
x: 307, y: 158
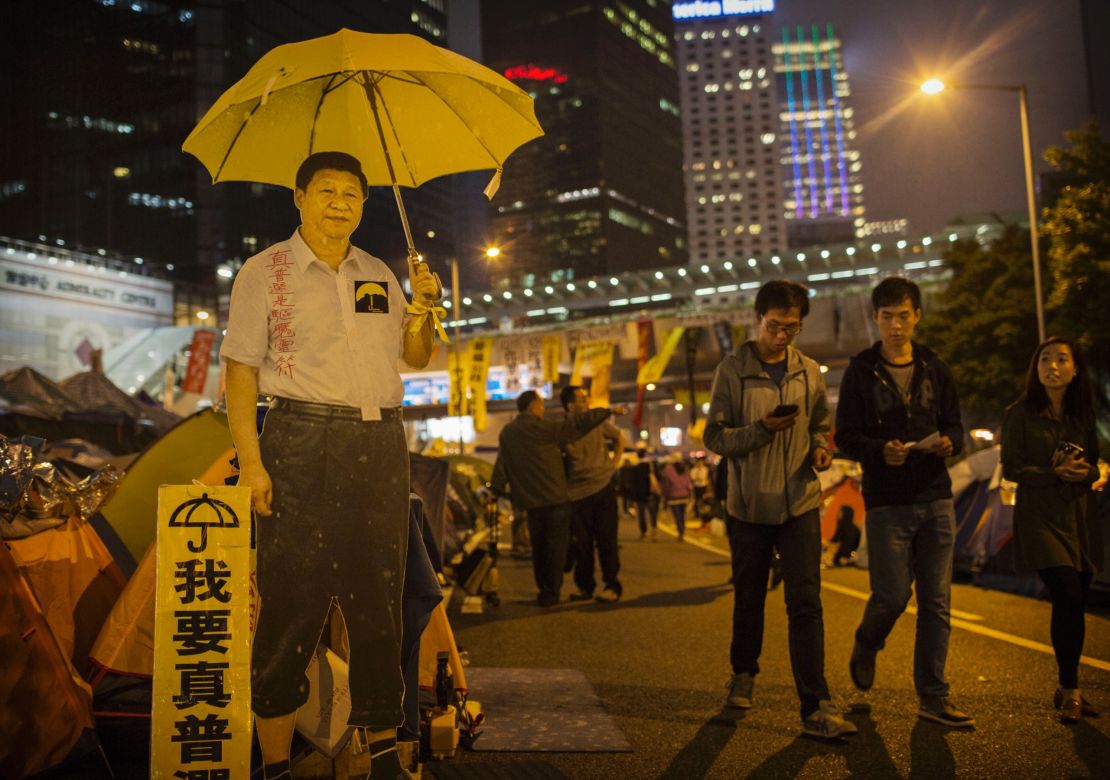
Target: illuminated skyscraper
x: 101, y: 97
x: 730, y: 125
x: 823, y: 194
x: 601, y: 191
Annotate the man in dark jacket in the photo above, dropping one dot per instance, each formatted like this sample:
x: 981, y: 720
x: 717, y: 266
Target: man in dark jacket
x: 899, y: 416
x: 530, y: 461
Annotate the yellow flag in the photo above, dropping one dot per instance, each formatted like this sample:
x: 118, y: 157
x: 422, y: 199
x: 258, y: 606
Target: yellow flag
x: 458, y: 375
x: 682, y: 396
x: 695, y: 432
x: 552, y: 351
x: 596, y: 358
x: 478, y: 352
x: 652, y: 370
x: 201, y: 713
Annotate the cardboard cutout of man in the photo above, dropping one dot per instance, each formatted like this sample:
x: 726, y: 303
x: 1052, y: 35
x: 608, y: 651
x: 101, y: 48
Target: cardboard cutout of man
x: 319, y: 325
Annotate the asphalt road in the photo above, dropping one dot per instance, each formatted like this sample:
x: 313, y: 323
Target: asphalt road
x: 659, y: 661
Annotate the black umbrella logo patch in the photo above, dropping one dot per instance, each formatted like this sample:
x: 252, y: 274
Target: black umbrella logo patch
x: 372, y: 297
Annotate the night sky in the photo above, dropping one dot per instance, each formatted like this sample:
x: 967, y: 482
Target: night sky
x: 933, y: 158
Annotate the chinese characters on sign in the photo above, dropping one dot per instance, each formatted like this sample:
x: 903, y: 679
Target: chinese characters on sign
x: 201, y: 722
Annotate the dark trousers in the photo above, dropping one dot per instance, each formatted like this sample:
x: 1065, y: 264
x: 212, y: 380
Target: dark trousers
x: 678, y: 512
x: 647, y: 509
x: 549, y: 527
x: 798, y: 542
x: 1068, y: 590
x: 338, y: 537
x: 595, y: 527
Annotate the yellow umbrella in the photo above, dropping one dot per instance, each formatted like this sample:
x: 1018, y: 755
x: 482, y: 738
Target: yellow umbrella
x: 408, y: 110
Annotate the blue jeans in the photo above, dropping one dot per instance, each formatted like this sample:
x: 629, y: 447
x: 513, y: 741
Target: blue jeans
x: 906, y: 544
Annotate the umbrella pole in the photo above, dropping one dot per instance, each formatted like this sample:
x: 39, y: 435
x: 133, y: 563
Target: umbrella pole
x: 413, y: 254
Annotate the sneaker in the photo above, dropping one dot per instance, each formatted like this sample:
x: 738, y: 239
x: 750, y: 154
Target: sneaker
x: 580, y: 596
x: 827, y: 722
x: 547, y: 601
x: 861, y: 667
x: 740, y: 690
x: 608, y: 596
x: 940, y: 709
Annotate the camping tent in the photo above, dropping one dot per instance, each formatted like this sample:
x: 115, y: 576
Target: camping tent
x: 96, y: 394
x: 44, y: 704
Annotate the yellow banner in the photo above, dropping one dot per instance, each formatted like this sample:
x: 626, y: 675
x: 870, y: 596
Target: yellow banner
x: 652, y: 370
x: 478, y: 354
x: 595, y: 359
x: 201, y: 714
x: 682, y: 396
x: 695, y: 432
x: 552, y: 351
x: 458, y: 373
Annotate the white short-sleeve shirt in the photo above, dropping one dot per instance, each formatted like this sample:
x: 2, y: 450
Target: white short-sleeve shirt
x: 316, y: 334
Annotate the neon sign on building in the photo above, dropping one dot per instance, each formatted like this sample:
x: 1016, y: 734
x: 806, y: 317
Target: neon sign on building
x: 532, y: 72
x: 706, y: 9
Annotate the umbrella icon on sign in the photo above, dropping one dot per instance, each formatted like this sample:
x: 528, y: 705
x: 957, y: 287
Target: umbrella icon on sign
x: 208, y: 512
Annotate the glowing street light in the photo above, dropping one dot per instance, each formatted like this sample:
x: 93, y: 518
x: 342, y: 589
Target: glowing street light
x: 933, y: 87
x: 492, y: 252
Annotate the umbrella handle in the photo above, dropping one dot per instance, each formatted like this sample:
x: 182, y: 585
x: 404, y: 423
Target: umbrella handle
x: 414, y: 256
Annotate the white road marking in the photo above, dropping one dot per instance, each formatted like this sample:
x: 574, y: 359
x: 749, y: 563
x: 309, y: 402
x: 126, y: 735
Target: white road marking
x: 960, y: 619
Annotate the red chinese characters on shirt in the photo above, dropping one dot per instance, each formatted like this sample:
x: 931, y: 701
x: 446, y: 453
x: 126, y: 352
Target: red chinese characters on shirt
x: 283, y: 338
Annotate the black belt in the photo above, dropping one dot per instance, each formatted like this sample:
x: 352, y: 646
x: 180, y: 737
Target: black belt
x: 331, y: 411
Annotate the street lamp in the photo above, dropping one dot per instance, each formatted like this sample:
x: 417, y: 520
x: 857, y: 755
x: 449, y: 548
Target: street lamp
x: 935, y: 86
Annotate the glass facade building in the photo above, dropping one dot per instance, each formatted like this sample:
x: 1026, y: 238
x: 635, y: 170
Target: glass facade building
x: 101, y: 94
x: 601, y: 191
x: 823, y: 186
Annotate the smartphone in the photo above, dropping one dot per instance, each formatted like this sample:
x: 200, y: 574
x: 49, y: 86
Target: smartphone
x: 784, y: 410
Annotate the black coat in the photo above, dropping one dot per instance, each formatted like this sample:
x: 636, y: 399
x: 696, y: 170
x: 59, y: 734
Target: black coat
x: 871, y: 411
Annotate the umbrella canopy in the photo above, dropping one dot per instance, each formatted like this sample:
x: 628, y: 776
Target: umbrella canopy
x: 408, y: 110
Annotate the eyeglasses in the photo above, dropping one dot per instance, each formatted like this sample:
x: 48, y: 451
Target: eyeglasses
x: 789, y: 330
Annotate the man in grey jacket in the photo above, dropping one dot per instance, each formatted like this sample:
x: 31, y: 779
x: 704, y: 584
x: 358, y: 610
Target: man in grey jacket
x: 769, y: 420
x: 530, y: 462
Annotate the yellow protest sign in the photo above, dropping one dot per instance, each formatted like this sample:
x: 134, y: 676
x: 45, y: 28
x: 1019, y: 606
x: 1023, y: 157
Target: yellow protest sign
x: 552, y: 351
x: 652, y: 370
x: 594, y: 358
x: 201, y: 713
x: 682, y: 396
x: 478, y: 354
x: 458, y: 375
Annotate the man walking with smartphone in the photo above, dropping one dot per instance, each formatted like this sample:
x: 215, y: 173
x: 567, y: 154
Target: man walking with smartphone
x: 769, y: 420
x: 899, y: 416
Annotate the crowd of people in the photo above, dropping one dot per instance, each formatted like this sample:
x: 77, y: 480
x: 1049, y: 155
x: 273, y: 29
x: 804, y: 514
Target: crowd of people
x: 329, y: 479
x: 769, y: 423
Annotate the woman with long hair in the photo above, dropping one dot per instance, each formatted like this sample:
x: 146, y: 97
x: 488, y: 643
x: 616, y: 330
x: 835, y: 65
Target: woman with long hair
x: 1050, y: 449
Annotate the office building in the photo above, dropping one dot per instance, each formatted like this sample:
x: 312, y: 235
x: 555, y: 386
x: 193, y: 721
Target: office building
x: 601, y: 191
x: 822, y: 172
x: 730, y: 117
x: 100, y: 99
